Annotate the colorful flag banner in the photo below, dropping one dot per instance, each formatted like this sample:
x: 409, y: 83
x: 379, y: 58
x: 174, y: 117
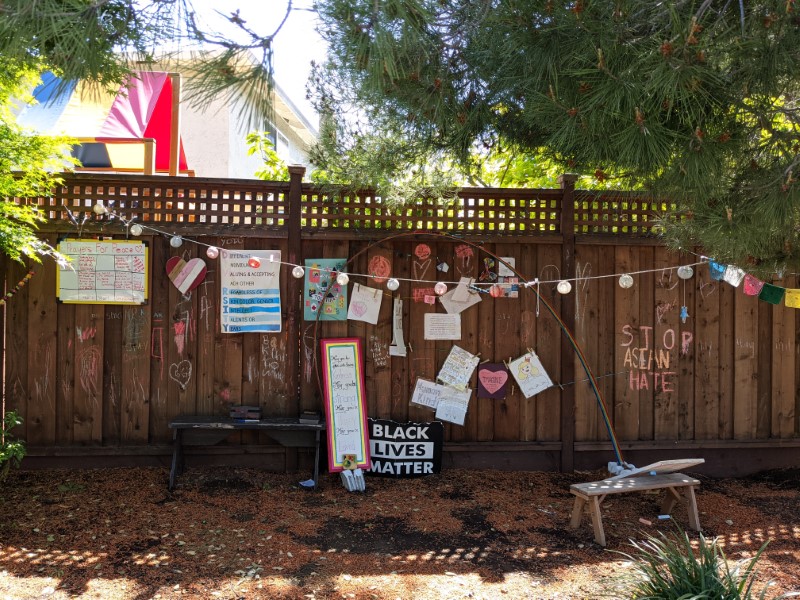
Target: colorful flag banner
x: 717, y: 270
x: 752, y: 286
x: 771, y: 293
x: 792, y: 298
x: 733, y: 275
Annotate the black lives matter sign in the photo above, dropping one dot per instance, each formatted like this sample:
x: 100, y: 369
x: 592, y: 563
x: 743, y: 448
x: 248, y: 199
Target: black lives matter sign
x: 405, y: 449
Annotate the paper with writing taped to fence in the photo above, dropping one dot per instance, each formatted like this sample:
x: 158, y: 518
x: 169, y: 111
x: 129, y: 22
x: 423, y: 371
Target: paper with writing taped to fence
x: 530, y: 374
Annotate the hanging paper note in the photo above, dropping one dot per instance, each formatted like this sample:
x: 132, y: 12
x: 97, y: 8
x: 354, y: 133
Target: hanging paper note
x: 457, y: 368
x: 365, y: 304
x: 398, y: 346
x: 792, y: 298
x: 454, y: 307
x: 752, y: 286
x: 322, y: 295
x: 733, y: 275
x: 492, y: 381
x: 530, y: 374
x: 442, y: 327
x: 505, y: 271
x: 771, y: 293
x: 426, y: 393
x: 717, y: 270
x: 250, y: 298
x: 453, y: 405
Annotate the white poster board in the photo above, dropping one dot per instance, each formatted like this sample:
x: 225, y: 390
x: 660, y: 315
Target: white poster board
x: 250, y: 298
x: 458, y: 367
x: 103, y: 272
x: 530, y: 374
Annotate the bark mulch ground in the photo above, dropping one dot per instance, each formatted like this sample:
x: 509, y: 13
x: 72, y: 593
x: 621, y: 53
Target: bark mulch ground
x: 243, y: 533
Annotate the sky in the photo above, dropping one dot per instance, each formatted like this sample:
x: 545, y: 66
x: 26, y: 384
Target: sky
x: 296, y: 44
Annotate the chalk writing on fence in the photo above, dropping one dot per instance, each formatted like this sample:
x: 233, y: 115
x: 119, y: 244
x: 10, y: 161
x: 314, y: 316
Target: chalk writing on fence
x: 343, y: 377
x: 649, y: 357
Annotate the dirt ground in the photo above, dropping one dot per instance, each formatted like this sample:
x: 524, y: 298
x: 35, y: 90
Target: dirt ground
x: 243, y: 533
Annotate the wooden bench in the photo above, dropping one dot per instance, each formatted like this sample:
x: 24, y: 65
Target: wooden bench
x: 677, y: 486
x: 207, y: 431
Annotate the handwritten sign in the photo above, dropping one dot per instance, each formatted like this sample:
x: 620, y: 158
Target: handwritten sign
x: 442, y: 327
x: 458, y: 367
x: 453, y: 405
x: 405, y: 449
x: 426, y: 393
x: 103, y: 272
x: 250, y: 298
x: 345, y: 410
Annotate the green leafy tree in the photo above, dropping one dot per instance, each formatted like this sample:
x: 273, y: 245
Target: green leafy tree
x: 694, y: 100
x: 274, y: 169
x: 12, y: 450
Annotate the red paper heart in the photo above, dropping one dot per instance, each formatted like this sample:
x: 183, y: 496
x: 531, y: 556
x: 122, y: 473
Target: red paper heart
x: 493, y: 380
x: 186, y: 275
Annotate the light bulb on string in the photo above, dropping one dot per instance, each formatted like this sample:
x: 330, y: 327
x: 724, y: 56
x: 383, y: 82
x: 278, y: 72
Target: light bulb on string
x: 625, y: 281
x: 212, y: 252
x: 564, y: 287
x: 342, y: 279
x: 440, y: 288
x: 392, y: 284
x: 496, y: 291
x: 298, y: 272
x: 176, y: 241
x: 99, y: 209
x: 254, y: 262
x: 685, y: 272
x: 136, y: 229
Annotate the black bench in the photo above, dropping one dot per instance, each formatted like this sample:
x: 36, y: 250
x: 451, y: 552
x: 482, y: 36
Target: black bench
x: 207, y: 431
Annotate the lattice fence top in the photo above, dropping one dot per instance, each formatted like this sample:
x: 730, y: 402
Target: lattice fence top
x: 238, y: 206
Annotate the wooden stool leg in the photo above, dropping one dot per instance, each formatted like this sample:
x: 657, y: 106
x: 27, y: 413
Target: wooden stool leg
x: 597, y: 521
x: 577, y: 512
x: 691, y: 500
x: 669, y: 501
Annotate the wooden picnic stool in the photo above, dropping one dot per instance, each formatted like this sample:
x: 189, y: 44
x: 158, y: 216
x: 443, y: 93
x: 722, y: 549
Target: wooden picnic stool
x: 652, y: 477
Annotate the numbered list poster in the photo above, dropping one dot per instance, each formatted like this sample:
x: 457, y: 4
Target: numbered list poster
x: 345, y: 404
x: 250, y: 298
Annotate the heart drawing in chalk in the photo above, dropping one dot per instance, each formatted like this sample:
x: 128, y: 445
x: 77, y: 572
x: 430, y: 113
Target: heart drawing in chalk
x: 186, y: 275
x: 359, y: 309
x: 181, y: 373
x: 493, y: 379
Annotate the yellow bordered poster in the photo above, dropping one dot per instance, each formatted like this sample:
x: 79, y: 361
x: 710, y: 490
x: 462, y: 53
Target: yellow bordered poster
x: 103, y: 272
x: 345, y: 402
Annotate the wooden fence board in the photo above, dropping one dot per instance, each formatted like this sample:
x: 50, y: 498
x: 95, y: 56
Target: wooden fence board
x: 112, y: 374
x: 686, y: 357
x: 65, y: 391
x: 549, y: 338
x: 527, y: 267
x: 399, y: 385
x: 207, y: 328
x: 470, y: 335
x: 783, y: 362
x: 159, y: 431
x: 16, y: 376
x: 706, y: 320
x: 630, y: 338
x: 422, y: 357
x: 727, y: 347
x: 587, y: 326
x: 645, y: 285
x: 88, y: 404
x: 745, y: 390
x: 764, y: 394
x: 666, y: 349
x: 135, y: 377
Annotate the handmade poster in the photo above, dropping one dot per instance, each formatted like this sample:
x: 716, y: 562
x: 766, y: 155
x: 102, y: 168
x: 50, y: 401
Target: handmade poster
x: 365, y: 304
x: 442, y: 327
x: 345, y: 402
x: 398, y: 346
x: 405, y: 449
x: 426, y: 393
x: 457, y: 368
x: 530, y: 374
x: 454, y: 307
x: 508, y: 287
x: 250, y: 297
x: 492, y: 381
x: 320, y: 279
x: 453, y: 405
x: 186, y: 275
x: 103, y: 272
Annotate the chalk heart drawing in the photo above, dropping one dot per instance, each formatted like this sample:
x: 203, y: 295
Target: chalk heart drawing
x: 181, y: 373
x: 359, y: 308
x: 186, y: 275
x: 493, y: 380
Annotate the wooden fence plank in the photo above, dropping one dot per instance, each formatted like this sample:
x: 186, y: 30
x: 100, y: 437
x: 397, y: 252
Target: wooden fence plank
x: 507, y: 343
x: 112, y: 373
x: 764, y: 395
x: 630, y: 340
x: 666, y: 348
x: 160, y: 414
x: 549, y: 338
x: 42, y: 346
x: 422, y: 357
x: 135, y: 376
x: 404, y: 270
x: 471, y: 333
x: 16, y: 376
x: 527, y: 266
x: 686, y: 357
x: 745, y: 389
x: 207, y: 330
x: 645, y: 284
x: 727, y: 347
x: 88, y: 405
x: 707, y: 358
x: 784, y: 365
x: 65, y: 391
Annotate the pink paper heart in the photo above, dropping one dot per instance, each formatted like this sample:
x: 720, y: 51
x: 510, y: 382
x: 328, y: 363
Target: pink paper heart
x: 186, y: 275
x: 359, y: 308
x: 493, y: 380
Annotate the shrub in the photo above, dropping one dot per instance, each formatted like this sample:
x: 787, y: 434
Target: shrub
x: 671, y: 568
x: 12, y: 449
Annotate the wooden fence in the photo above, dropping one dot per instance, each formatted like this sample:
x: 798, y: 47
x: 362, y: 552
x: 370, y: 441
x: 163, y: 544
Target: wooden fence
x: 94, y: 380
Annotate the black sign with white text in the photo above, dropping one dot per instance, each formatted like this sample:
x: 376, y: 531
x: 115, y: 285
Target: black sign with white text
x: 405, y: 449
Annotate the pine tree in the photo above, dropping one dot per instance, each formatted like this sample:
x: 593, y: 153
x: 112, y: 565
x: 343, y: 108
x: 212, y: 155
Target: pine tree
x: 695, y: 101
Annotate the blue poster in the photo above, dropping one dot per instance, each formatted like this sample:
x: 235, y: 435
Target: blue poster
x: 250, y: 298
x: 320, y: 279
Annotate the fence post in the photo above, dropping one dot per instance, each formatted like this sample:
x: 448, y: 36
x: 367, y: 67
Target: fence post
x: 567, y: 225
x: 294, y: 286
